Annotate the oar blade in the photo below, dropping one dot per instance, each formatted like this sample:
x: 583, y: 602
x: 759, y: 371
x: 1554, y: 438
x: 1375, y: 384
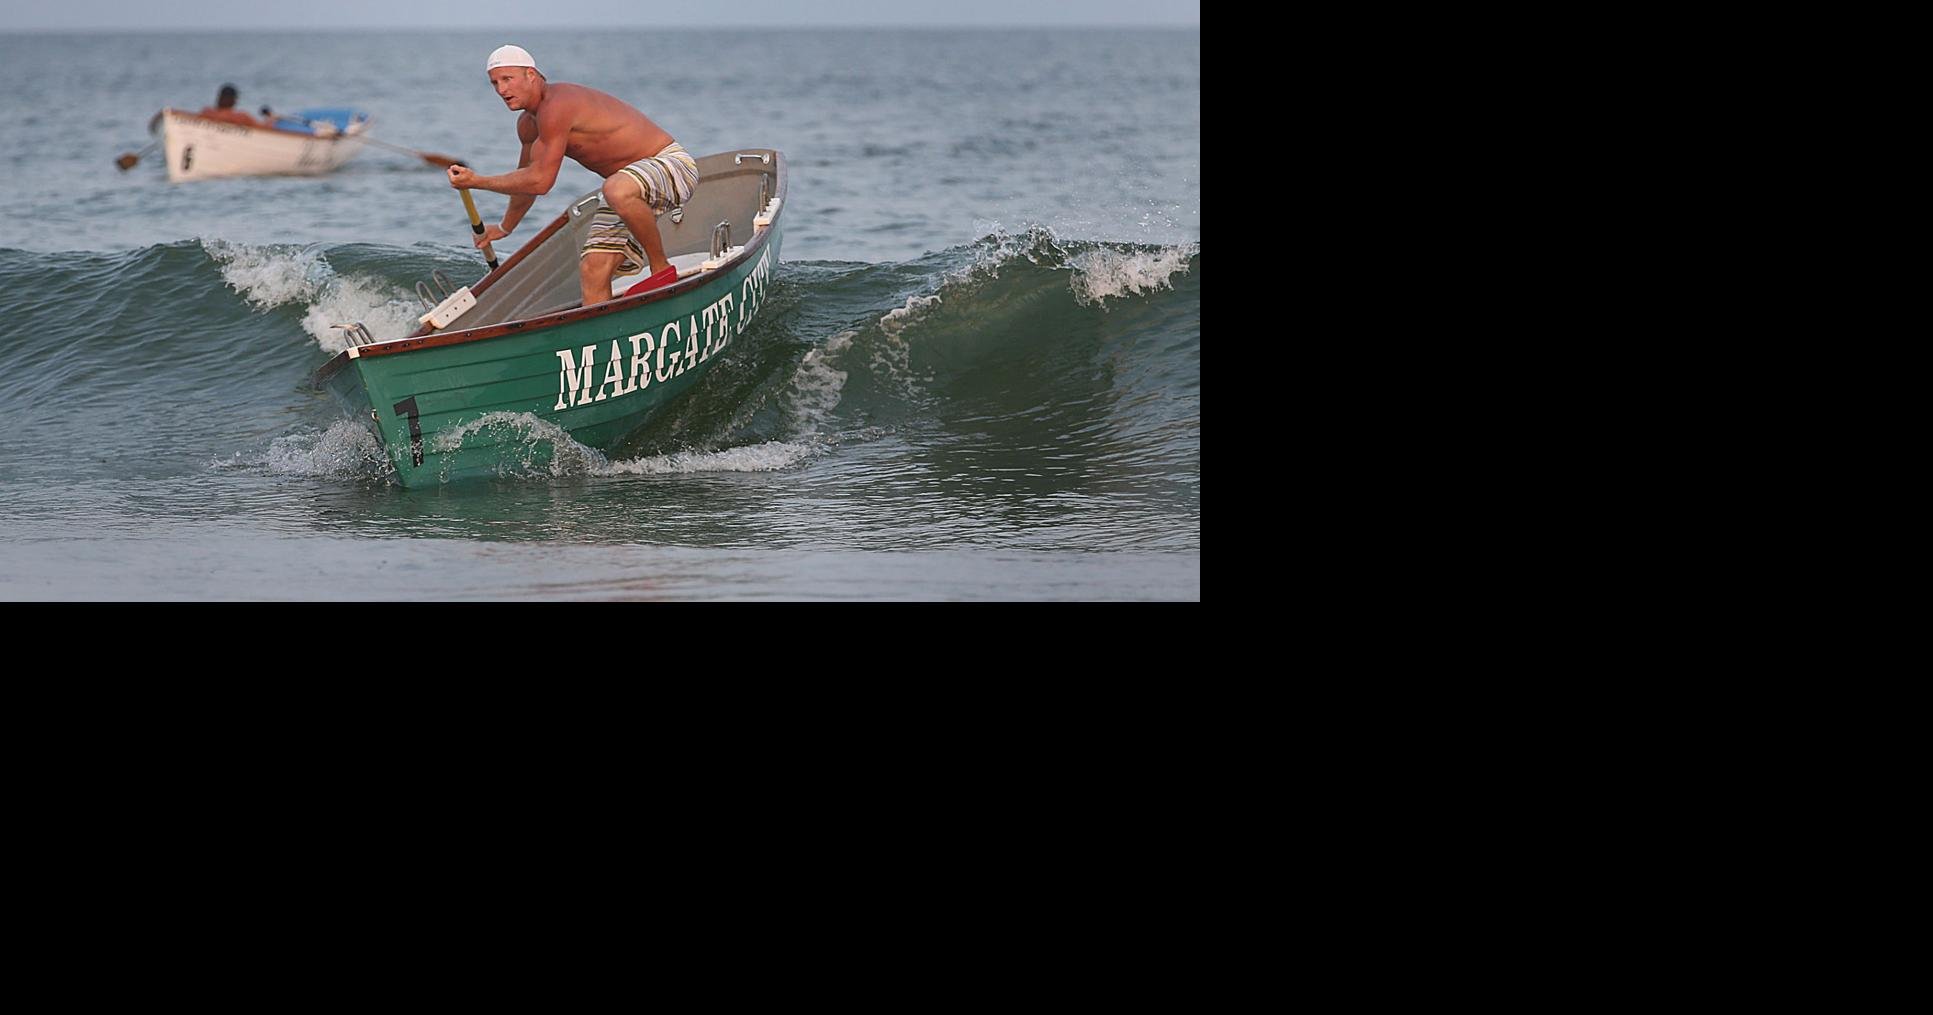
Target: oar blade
x: 127, y: 161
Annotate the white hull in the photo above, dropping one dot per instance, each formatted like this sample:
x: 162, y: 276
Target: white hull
x: 199, y: 149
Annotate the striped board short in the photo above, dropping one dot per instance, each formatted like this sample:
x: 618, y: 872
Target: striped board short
x: 665, y: 180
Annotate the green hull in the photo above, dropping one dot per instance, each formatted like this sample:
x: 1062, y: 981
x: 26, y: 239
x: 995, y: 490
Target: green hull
x: 598, y: 379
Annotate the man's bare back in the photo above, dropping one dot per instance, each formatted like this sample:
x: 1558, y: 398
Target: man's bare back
x: 234, y: 116
x: 605, y: 133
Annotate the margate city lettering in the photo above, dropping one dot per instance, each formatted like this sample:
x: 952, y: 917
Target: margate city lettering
x: 631, y: 363
x: 753, y: 288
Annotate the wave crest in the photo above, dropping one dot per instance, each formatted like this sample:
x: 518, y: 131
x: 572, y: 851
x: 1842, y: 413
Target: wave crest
x: 1105, y: 273
x: 280, y: 274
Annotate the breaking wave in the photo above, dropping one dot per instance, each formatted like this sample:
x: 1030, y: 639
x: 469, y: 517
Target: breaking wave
x: 278, y: 275
x: 1024, y: 342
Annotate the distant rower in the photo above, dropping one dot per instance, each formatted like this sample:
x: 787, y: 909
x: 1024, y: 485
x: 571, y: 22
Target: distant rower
x: 225, y: 111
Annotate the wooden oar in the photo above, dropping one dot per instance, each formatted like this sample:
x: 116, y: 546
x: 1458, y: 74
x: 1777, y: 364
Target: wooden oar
x: 439, y: 161
x: 476, y: 225
x: 127, y: 161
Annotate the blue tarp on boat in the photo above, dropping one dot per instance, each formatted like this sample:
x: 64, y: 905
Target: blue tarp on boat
x: 341, y: 117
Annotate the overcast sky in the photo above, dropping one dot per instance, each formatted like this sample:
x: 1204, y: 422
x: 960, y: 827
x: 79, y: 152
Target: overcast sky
x: 148, y: 15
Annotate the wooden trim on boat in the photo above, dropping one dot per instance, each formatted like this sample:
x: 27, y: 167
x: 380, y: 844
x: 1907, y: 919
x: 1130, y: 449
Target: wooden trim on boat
x: 419, y: 340
x: 338, y: 136
x: 329, y: 369
x: 490, y: 279
x: 561, y: 317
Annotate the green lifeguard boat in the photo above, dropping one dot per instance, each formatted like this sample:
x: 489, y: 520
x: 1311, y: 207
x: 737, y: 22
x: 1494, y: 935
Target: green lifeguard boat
x: 521, y: 342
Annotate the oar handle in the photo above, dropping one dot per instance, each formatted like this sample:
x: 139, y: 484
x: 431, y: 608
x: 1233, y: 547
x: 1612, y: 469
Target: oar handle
x: 476, y: 226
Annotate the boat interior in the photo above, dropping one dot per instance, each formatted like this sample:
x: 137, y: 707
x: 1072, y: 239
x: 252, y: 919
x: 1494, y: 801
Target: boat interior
x: 738, y: 193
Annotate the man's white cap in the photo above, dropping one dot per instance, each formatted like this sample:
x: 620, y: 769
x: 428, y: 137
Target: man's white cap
x: 510, y: 56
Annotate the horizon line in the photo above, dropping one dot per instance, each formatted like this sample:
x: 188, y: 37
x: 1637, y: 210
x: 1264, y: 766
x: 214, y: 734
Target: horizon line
x: 467, y: 29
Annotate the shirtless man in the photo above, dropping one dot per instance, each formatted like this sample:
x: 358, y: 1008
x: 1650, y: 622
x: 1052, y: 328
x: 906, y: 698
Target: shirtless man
x: 225, y: 111
x: 644, y: 170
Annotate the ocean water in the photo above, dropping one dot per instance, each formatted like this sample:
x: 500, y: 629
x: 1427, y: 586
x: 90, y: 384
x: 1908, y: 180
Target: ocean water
x: 977, y: 375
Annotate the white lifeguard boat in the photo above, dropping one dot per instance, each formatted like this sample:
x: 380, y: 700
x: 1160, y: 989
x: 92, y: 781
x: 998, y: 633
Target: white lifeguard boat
x: 310, y: 142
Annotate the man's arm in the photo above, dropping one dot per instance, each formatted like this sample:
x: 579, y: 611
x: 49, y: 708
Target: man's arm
x: 519, y: 203
x: 543, y: 156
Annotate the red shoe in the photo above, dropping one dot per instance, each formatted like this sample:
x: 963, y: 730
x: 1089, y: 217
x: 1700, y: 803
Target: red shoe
x: 665, y: 277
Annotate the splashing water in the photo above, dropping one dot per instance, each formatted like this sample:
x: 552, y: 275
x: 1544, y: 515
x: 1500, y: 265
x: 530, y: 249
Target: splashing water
x: 768, y: 457
x: 528, y: 446
x: 382, y: 309
x: 1105, y: 273
x: 275, y: 275
x: 270, y: 276
x: 816, y: 385
x: 347, y: 450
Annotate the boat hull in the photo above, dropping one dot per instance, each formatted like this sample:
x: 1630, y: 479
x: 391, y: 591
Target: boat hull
x: 202, y: 149
x: 462, y: 410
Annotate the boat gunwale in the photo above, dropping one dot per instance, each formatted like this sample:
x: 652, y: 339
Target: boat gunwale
x: 416, y: 341
x: 347, y: 135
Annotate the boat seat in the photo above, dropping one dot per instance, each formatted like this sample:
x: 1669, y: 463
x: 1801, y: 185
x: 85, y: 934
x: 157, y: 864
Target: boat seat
x: 687, y: 265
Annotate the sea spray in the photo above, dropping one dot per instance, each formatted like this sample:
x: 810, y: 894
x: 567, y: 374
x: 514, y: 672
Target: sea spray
x: 384, y: 310
x: 1100, y: 271
x: 531, y: 447
x: 816, y: 385
x: 770, y: 456
x: 278, y: 274
x: 527, y: 446
x: 272, y: 275
x: 892, y: 355
x: 1010, y: 312
x: 1107, y: 272
x: 346, y: 450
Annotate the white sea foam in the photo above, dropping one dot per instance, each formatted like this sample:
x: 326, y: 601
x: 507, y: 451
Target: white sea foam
x: 817, y: 384
x: 272, y: 275
x: 346, y: 450
x: 520, y: 436
x: 892, y: 357
x: 383, y: 309
x: 277, y: 274
x: 916, y: 307
x: 1036, y: 244
x: 768, y: 457
x: 1106, y: 273
x: 1098, y: 274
